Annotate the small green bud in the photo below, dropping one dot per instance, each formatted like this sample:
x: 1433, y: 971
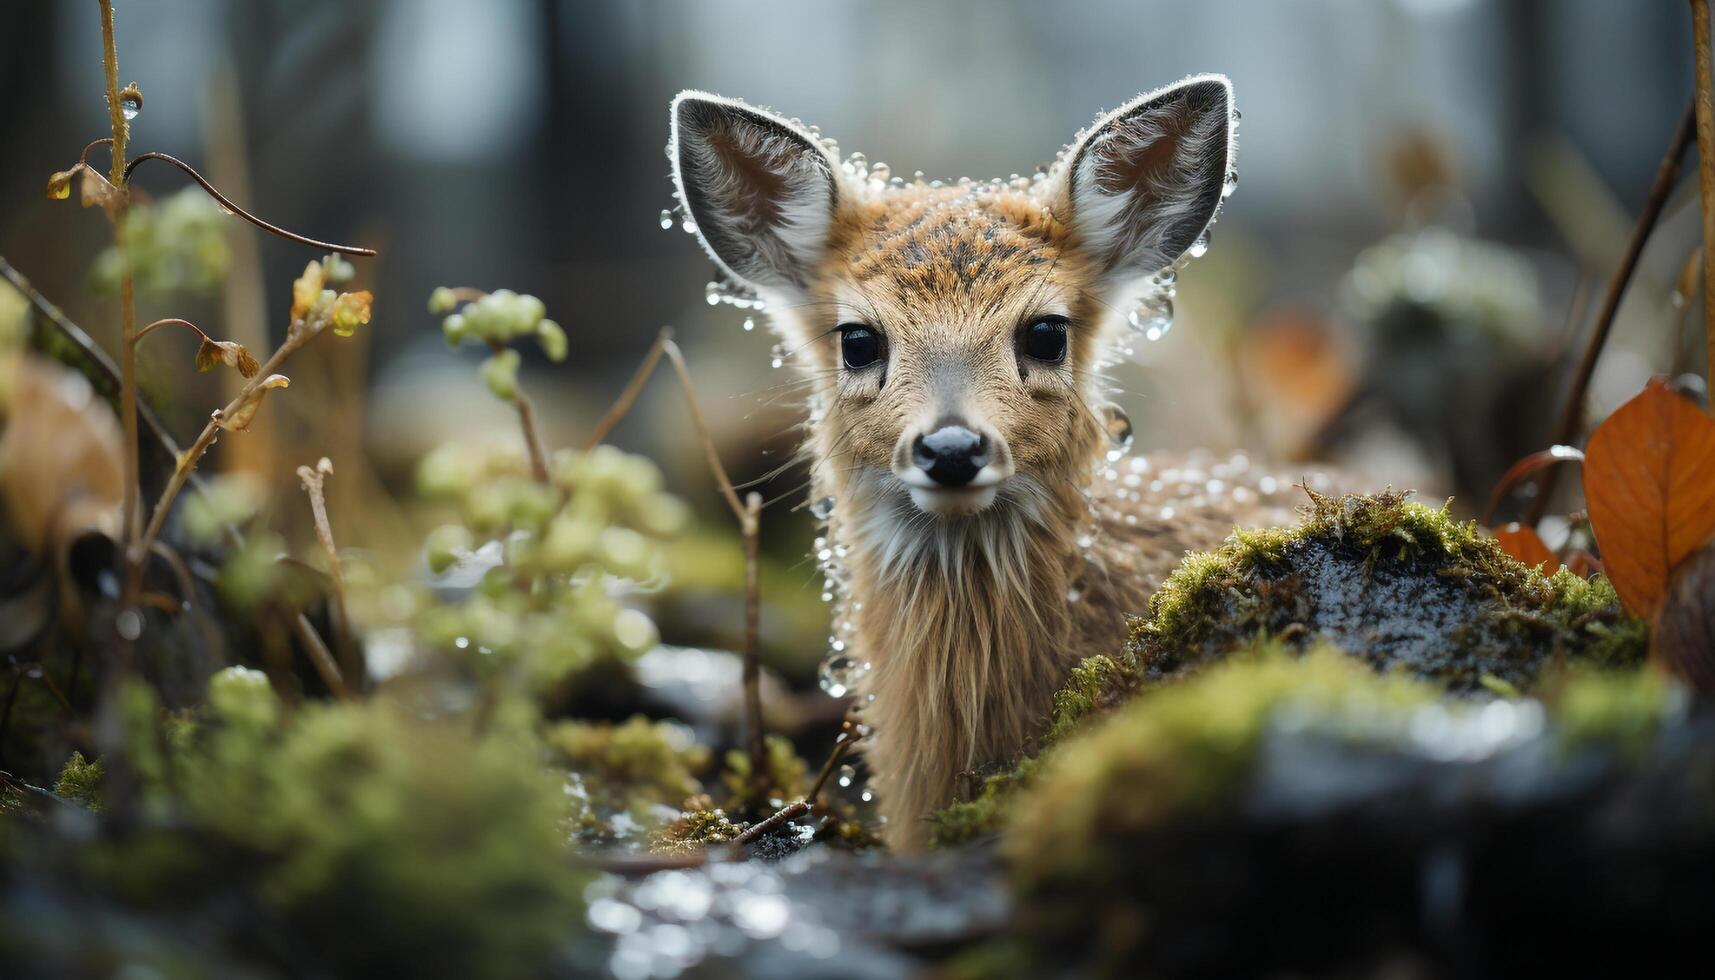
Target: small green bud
x: 553, y: 340
x: 500, y: 373
x: 442, y: 300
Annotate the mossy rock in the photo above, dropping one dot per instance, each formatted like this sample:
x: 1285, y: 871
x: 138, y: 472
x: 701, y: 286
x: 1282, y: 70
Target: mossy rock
x: 1289, y: 813
x: 1393, y: 582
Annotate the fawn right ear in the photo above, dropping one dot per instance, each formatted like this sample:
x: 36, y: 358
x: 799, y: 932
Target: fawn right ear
x: 760, y: 189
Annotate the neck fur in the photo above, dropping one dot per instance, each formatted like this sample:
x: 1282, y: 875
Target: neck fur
x: 966, y: 627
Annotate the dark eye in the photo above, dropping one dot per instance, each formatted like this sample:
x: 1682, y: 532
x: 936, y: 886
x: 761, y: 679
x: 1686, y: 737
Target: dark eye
x: 1045, y: 339
x: 859, y: 345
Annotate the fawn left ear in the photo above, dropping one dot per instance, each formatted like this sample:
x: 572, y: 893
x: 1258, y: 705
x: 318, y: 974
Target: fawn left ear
x: 760, y: 189
x: 1145, y: 180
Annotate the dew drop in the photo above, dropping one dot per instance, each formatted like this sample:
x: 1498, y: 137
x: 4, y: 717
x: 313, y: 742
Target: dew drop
x: 666, y: 219
x: 129, y: 106
x: 1200, y: 247
x: 1231, y: 184
x: 1119, y: 433
x: 712, y: 294
x: 838, y: 674
x: 749, y: 324
x: 822, y: 509
x: 847, y: 776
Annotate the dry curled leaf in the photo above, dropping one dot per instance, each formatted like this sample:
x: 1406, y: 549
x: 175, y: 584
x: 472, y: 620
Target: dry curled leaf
x: 1522, y: 542
x: 59, y: 185
x: 242, y: 416
x: 96, y: 191
x: 227, y: 352
x: 307, y: 290
x: 1684, y: 635
x: 1649, y: 478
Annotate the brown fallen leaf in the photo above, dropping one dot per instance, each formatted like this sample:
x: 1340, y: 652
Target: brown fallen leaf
x: 1649, y: 479
x: 1522, y: 542
x: 1684, y: 635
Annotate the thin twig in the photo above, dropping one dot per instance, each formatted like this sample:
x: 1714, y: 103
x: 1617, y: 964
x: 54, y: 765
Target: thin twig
x: 131, y: 471
x: 226, y: 203
x: 1705, y: 168
x: 848, y: 738
x: 755, y: 830
x: 633, y: 388
x: 532, y: 439
x: 1572, y: 412
x: 319, y: 656
x: 313, y: 480
x: 748, y: 513
x: 171, y: 321
x: 1523, y: 469
x: 749, y: 527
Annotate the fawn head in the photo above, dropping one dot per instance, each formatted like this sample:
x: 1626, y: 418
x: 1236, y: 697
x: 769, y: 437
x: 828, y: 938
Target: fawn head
x: 952, y: 335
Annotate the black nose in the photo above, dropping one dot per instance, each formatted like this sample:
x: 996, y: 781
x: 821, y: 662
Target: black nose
x: 951, y: 455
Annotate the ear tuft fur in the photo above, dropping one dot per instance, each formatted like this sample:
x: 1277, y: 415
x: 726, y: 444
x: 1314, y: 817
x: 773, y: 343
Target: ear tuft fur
x: 1145, y: 180
x: 760, y: 189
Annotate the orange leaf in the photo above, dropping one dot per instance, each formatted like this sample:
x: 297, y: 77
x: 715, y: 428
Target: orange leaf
x: 1649, y: 480
x: 1522, y: 542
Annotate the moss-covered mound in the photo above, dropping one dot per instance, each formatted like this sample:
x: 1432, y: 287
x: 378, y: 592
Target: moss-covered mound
x: 1398, y: 585
x: 1391, y: 581
x: 1275, y: 811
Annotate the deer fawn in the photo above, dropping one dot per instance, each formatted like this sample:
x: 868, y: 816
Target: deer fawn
x: 952, y: 337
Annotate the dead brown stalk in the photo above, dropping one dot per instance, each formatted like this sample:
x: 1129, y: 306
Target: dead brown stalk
x: 1572, y: 410
x: 313, y: 480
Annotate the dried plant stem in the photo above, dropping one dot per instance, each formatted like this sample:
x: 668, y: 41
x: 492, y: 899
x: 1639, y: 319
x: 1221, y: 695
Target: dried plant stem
x: 171, y: 321
x: 320, y: 658
x: 761, y: 827
x: 748, y: 513
x: 532, y: 439
x: 749, y: 526
x: 1572, y: 412
x: 847, y: 739
x: 227, y: 203
x: 313, y: 480
x: 1705, y: 167
x: 189, y: 459
x: 127, y: 306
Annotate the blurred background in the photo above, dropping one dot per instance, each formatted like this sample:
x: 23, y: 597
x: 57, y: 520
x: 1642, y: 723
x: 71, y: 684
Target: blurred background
x: 1433, y: 194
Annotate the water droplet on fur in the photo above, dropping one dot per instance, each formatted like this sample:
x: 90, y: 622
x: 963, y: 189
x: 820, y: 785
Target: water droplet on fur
x: 130, y: 106
x: 847, y: 776
x: 666, y: 219
x: 1200, y: 247
x: 1119, y: 432
x: 1231, y: 184
x: 838, y: 673
x: 712, y: 294
x: 822, y: 509
x: 1153, y: 316
x: 749, y: 324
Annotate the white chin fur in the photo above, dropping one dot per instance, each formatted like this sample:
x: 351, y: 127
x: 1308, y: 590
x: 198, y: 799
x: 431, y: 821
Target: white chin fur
x: 952, y: 502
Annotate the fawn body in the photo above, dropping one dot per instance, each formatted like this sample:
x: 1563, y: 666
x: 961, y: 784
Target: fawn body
x: 951, y: 337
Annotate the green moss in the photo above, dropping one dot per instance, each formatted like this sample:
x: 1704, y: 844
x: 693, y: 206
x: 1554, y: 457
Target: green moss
x: 1179, y: 749
x: 629, y: 765
x: 701, y: 825
x: 1393, y: 582
x: 366, y: 831
x: 971, y: 820
x: 1620, y: 709
x: 755, y: 796
x: 80, y: 782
